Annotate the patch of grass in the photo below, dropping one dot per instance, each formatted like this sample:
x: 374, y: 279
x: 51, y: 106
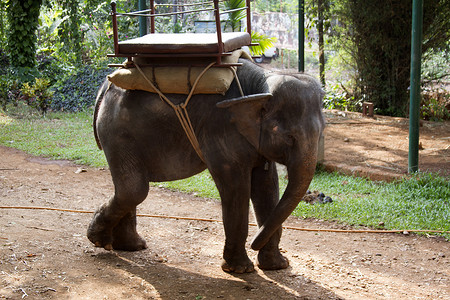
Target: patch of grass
x: 201, y: 185
x: 420, y: 202
x: 57, y: 135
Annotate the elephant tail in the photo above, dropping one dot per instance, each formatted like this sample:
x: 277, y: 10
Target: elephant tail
x: 101, y: 93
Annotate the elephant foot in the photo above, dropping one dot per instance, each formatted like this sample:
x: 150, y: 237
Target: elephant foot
x: 238, y: 266
x: 108, y: 240
x: 99, y: 234
x: 125, y: 236
x: 131, y: 242
x: 269, y: 260
x: 122, y: 236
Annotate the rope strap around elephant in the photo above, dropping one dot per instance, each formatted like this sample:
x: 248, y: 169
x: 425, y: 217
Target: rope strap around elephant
x: 180, y: 109
x: 219, y: 221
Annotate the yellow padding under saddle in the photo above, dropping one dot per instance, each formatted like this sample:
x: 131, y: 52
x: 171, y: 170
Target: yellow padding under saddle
x: 174, y: 79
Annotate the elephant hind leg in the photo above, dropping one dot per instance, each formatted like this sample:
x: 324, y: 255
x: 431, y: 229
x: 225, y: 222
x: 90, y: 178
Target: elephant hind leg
x: 104, y: 232
x: 114, y: 227
x: 114, y: 223
x: 125, y: 236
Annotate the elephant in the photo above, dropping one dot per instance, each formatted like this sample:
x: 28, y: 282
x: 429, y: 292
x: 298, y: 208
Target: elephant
x: 241, y: 139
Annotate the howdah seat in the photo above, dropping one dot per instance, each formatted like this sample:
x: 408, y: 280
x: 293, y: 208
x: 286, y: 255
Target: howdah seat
x: 163, y: 48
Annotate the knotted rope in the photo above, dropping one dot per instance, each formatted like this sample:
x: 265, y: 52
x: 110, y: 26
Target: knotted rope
x: 180, y: 109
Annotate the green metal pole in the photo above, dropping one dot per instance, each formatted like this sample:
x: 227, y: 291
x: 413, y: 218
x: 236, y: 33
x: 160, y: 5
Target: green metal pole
x: 142, y: 20
x: 414, y: 103
x: 301, y: 35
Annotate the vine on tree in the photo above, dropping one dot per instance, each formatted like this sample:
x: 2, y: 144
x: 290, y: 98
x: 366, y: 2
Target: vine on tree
x: 23, y: 16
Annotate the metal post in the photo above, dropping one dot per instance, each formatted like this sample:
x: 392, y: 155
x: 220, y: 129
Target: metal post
x: 414, y: 103
x: 218, y: 31
x: 142, y: 20
x: 249, y: 17
x: 152, y: 18
x: 114, y: 24
x: 301, y: 36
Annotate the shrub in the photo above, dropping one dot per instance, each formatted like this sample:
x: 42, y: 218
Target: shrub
x: 51, y: 68
x: 38, y: 95
x: 377, y: 36
x: 78, y: 90
x: 435, y: 105
x: 4, y: 88
x: 337, y: 97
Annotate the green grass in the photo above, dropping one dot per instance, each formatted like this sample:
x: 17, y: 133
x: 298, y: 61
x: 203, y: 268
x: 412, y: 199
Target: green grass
x: 201, y: 185
x: 57, y: 135
x: 420, y: 202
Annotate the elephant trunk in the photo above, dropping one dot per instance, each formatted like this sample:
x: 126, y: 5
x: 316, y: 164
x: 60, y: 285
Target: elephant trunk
x: 300, y: 177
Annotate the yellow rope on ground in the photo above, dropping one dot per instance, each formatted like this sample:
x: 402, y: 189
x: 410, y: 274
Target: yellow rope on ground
x: 219, y: 221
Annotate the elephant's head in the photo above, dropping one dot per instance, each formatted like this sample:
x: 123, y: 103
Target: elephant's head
x: 284, y: 127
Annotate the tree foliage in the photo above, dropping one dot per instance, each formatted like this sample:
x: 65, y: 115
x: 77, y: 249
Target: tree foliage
x: 377, y: 35
x: 372, y: 36
x: 235, y: 18
x: 3, y: 24
x: 69, y: 32
x: 23, y: 21
x: 286, y: 6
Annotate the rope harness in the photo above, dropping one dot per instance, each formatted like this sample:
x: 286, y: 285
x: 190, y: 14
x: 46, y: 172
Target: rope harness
x: 181, y: 109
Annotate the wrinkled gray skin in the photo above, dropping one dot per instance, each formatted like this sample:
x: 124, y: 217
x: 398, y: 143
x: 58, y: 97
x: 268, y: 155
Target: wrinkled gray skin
x: 241, y: 140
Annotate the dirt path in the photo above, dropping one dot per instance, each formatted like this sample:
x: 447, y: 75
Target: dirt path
x: 378, y: 147
x: 45, y: 254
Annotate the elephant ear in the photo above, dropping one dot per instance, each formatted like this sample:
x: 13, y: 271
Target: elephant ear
x: 246, y: 114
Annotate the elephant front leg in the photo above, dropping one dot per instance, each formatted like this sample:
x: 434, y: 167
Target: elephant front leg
x: 235, y: 257
x: 235, y: 194
x: 265, y: 195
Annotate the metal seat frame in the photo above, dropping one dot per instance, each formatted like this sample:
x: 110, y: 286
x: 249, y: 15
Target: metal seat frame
x: 168, y: 53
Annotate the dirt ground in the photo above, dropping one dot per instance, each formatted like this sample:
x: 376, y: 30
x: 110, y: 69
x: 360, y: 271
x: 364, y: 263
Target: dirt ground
x: 378, y: 147
x: 46, y: 255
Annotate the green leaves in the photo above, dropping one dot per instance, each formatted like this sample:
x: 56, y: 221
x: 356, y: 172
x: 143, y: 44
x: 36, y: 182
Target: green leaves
x: 69, y: 30
x: 23, y: 21
x: 77, y: 91
x: 39, y: 94
x: 265, y: 42
x: 234, y: 18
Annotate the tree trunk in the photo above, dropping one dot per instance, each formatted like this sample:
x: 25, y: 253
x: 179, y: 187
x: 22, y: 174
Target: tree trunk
x: 320, y: 8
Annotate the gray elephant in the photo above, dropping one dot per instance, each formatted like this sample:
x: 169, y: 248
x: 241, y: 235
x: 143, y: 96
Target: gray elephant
x: 241, y: 140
